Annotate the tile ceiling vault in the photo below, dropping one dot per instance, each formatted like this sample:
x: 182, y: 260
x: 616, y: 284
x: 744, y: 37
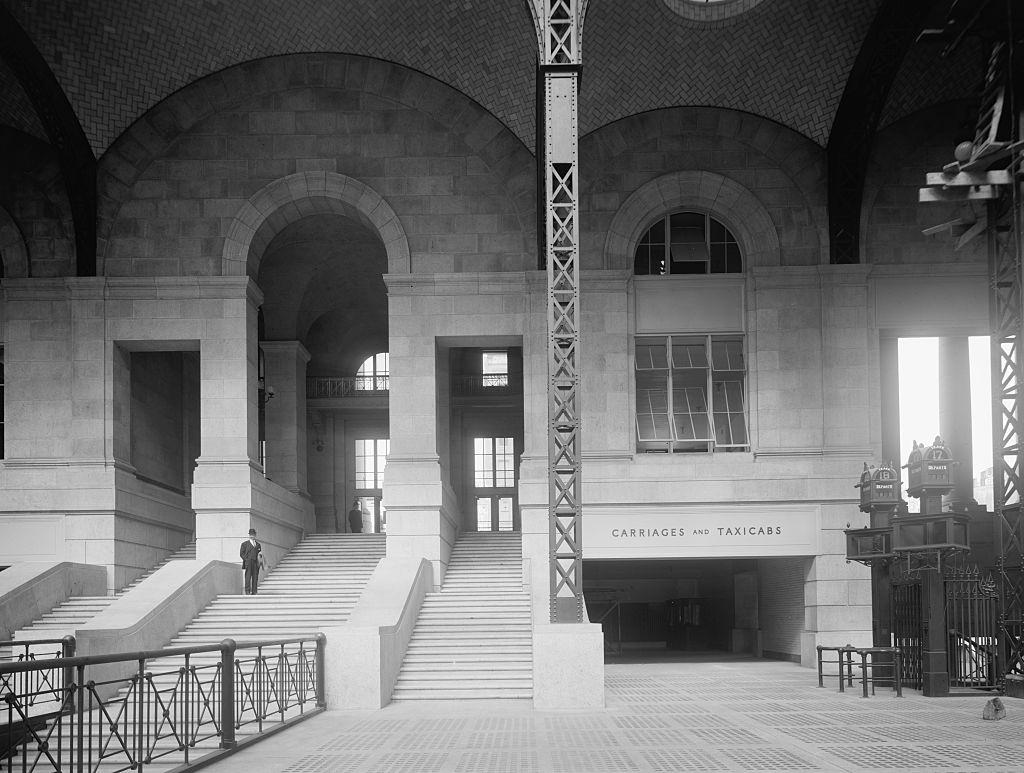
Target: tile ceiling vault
x: 787, y: 60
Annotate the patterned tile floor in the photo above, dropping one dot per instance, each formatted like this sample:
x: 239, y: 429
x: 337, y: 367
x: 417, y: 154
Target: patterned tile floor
x: 692, y: 715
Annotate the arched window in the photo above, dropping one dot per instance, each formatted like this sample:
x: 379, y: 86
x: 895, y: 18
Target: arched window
x: 373, y: 373
x: 687, y: 243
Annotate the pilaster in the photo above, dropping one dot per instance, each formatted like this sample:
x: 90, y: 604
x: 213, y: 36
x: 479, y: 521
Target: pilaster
x: 285, y: 407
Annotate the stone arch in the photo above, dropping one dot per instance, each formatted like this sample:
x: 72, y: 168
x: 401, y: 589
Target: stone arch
x: 291, y: 198
x: 13, y: 251
x: 151, y: 137
x: 720, y: 196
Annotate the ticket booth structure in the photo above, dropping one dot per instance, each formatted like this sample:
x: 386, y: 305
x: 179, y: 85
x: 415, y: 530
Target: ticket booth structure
x: 927, y: 598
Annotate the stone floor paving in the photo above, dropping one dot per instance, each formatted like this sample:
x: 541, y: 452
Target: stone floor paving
x: 724, y: 715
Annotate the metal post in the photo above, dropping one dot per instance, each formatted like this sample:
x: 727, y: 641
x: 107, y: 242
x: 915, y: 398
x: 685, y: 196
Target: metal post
x: 227, y: 694
x: 321, y: 671
x: 864, y: 674
x: 67, y: 651
x: 80, y: 711
x: 140, y: 713
x: 897, y: 659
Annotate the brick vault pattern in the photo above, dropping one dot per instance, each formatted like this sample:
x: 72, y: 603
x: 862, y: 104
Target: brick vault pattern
x: 15, y: 109
x: 927, y: 79
x: 787, y: 60
x: 117, y: 59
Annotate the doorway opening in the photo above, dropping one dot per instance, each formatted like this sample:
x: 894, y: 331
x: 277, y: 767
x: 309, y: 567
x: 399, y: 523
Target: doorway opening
x: 487, y: 434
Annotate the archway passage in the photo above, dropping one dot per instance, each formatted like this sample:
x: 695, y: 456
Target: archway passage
x: 325, y: 300
x: 684, y: 609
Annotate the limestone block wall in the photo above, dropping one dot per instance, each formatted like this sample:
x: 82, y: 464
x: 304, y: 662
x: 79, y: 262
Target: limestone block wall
x: 462, y: 184
x: 427, y: 315
x: 68, y: 396
x: 783, y: 173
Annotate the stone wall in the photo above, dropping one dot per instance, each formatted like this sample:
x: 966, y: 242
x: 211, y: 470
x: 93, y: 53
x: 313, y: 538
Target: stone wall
x: 171, y: 187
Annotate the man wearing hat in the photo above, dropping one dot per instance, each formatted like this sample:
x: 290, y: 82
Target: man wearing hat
x: 251, y: 553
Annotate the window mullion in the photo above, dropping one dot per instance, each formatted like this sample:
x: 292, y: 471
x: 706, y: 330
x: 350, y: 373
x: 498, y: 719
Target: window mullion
x: 670, y: 402
x: 709, y: 383
x: 494, y: 462
x: 707, y: 244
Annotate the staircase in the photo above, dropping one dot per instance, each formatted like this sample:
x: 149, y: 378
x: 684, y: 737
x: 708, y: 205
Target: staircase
x: 474, y: 638
x: 69, y: 615
x: 314, y: 587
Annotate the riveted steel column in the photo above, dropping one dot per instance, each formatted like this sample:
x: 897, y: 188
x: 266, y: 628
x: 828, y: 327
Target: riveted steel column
x: 1006, y: 260
x: 559, y: 24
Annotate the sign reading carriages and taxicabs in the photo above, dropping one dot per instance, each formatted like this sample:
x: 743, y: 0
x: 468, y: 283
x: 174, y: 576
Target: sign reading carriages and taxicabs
x: 701, y: 532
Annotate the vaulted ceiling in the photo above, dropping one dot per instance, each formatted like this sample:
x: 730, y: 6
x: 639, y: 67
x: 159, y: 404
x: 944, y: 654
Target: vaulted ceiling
x: 788, y: 60
x: 79, y: 74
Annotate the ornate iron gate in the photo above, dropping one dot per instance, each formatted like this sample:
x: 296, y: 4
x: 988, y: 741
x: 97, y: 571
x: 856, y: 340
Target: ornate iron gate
x: 972, y: 649
x: 907, y: 632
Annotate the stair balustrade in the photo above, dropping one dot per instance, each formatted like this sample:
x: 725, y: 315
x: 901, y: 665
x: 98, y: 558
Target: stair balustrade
x: 176, y: 706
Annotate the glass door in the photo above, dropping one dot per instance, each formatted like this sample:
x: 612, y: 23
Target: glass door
x: 371, y: 458
x: 494, y: 484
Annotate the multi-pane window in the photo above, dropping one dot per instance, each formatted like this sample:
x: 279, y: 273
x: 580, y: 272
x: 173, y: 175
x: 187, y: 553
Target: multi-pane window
x: 687, y: 243
x: 493, y: 462
x: 495, y: 369
x: 371, y: 457
x: 494, y: 480
x: 687, y: 400
x: 373, y: 374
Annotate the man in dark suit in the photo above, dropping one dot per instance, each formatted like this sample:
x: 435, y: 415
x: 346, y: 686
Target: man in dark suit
x: 251, y: 553
x: 355, y: 518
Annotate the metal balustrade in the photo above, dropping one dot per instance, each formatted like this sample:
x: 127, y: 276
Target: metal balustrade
x: 474, y: 385
x: 347, y: 386
x: 178, y: 705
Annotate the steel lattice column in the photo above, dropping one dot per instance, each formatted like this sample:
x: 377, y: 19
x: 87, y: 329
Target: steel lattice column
x: 559, y: 23
x: 1006, y: 260
x: 1004, y: 237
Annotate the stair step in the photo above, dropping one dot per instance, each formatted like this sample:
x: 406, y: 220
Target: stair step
x: 471, y: 670
x: 433, y: 693
x: 473, y: 638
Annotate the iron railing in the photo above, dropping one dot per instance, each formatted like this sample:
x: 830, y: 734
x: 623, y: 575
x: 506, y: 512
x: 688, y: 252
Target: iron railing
x: 492, y: 384
x: 42, y: 686
x: 908, y: 630
x: 177, y: 705
x: 973, y: 631
x: 347, y: 386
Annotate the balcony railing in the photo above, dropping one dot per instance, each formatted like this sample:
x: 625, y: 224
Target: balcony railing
x: 477, y: 385
x: 474, y: 385
x: 177, y: 706
x: 346, y: 386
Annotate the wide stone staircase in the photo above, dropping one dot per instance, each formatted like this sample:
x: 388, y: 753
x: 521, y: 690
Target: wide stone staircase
x: 314, y: 587
x: 75, y: 611
x: 474, y: 638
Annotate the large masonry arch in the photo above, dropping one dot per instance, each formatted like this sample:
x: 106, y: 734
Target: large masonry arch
x: 291, y: 198
x: 737, y: 207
